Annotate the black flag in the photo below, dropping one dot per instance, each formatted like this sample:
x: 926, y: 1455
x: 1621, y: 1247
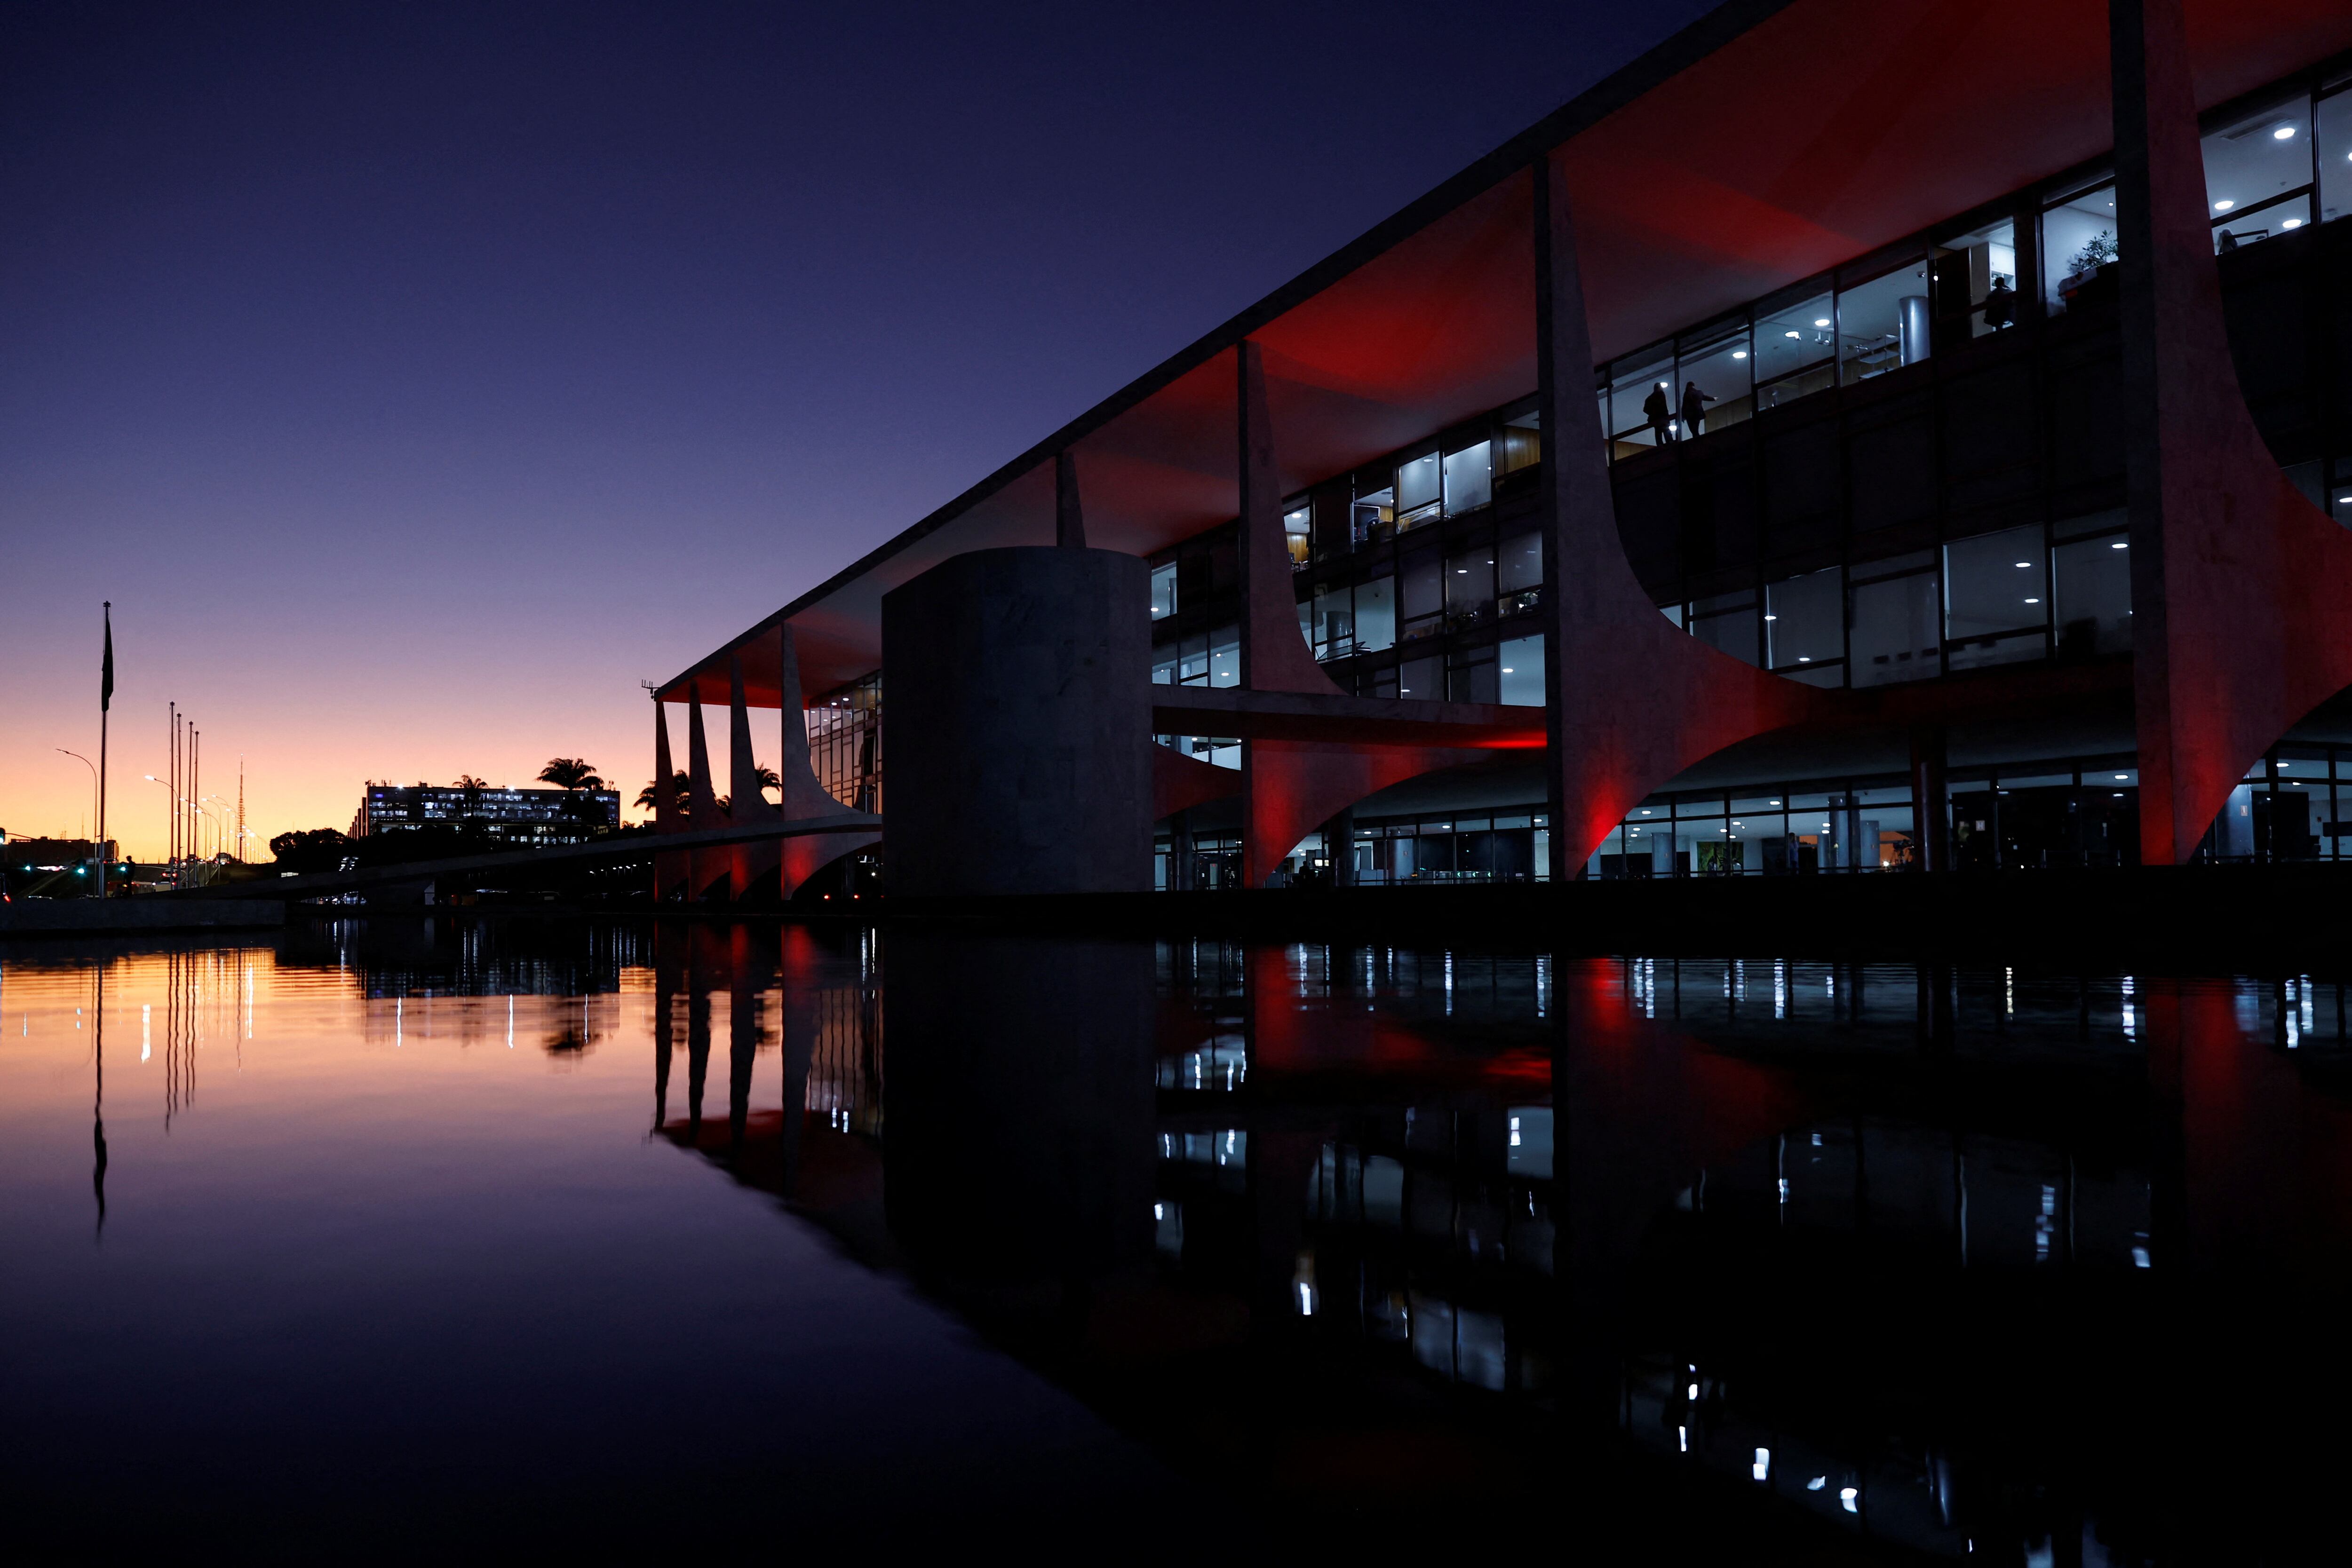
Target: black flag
x: 105, y: 671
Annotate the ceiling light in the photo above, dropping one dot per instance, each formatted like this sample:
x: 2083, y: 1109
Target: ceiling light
x: 1805, y: 658
x: 2292, y: 223
x: 1821, y: 320
x: 2023, y: 564
x: 1738, y: 353
x: 2223, y: 206
x: 2120, y: 544
x: 2123, y: 776
x: 1794, y: 334
x: 2034, y: 602
x: 2284, y: 133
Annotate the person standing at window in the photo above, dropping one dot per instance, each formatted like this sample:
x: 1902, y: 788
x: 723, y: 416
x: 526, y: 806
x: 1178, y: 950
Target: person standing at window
x: 1695, y: 404
x: 1999, y: 305
x: 1661, y: 413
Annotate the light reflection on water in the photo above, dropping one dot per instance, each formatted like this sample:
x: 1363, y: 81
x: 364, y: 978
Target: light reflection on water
x: 1960, y: 1258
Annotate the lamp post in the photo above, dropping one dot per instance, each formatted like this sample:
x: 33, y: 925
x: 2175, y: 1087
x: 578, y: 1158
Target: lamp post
x: 99, y: 854
x: 166, y: 783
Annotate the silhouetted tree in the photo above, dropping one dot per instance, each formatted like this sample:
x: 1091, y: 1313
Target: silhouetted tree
x: 680, y: 788
x: 569, y: 773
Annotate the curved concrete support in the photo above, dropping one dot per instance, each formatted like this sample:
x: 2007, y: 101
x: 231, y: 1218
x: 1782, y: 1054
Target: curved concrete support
x: 2242, y: 589
x: 1296, y: 786
x: 803, y: 795
x: 701, y: 806
x: 669, y: 870
x: 1179, y: 782
x: 797, y: 859
x: 1020, y: 685
x: 749, y: 861
x: 1274, y: 657
x: 1630, y: 699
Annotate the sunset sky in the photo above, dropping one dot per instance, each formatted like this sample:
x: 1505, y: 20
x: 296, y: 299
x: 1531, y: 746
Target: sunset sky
x: 418, y: 379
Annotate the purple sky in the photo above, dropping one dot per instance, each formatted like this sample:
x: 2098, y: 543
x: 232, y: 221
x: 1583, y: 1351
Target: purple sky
x: 415, y: 380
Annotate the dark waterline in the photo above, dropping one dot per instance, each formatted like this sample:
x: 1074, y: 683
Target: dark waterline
x: 494, y: 1236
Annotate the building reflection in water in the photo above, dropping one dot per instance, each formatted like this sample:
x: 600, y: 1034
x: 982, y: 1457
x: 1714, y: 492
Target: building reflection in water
x: 1909, y: 1248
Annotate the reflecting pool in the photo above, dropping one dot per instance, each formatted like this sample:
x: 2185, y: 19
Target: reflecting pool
x: 463, y: 1236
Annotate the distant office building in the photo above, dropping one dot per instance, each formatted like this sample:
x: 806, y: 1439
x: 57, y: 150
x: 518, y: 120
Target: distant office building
x: 523, y: 818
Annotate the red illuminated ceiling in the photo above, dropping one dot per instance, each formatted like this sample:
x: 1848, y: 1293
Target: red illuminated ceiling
x: 1828, y: 128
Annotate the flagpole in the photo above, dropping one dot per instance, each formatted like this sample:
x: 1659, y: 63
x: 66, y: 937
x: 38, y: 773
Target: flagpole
x: 105, y: 701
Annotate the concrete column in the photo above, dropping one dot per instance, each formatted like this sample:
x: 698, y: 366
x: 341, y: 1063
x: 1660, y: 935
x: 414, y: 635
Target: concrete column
x: 1931, y: 802
x: 1274, y: 657
x: 669, y: 869
x: 1629, y: 699
x: 1069, y: 517
x: 1182, y: 876
x: 746, y: 864
x: 701, y: 804
x: 1019, y: 724
x: 1339, y: 835
x: 2242, y: 589
x: 798, y: 859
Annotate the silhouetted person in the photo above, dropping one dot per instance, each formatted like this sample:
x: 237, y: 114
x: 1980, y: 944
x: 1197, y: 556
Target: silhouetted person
x: 1695, y: 404
x: 1999, y: 305
x: 2229, y: 242
x: 1661, y: 413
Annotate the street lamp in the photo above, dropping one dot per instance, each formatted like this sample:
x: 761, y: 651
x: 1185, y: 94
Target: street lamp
x: 99, y: 852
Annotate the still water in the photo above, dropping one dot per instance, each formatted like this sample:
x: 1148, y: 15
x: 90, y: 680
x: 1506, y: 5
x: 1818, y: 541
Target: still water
x: 463, y: 1236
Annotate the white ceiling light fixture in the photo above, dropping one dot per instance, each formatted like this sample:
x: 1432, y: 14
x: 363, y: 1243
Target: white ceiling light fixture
x: 2284, y: 133
x: 1821, y: 320
x: 2225, y: 205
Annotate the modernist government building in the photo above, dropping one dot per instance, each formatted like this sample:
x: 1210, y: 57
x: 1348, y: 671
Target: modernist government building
x: 1853, y: 437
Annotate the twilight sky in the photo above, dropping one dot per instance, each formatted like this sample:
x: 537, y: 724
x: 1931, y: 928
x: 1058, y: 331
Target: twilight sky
x: 417, y: 379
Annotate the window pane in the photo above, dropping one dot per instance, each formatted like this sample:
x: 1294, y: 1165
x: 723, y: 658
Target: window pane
x: 1974, y: 282
x: 1469, y: 479
x: 1520, y: 564
x: 2093, y: 597
x: 1895, y: 633
x: 2078, y: 249
x: 1164, y: 592
x: 1471, y: 678
x: 1298, y: 529
x: 1163, y: 666
x: 1734, y: 633
x: 1716, y: 388
x: 1994, y: 582
x: 1470, y: 583
x: 1522, y: 444
x: 1376, y: 615
x: 1882, y: 324
x: 1520, y: 664
x: 2246, y: 228
x: 1417, y: 679
x: 1800, y: 335
x: 1640, y: 396
x: 1802, y: 620
x: 2335, y: 156
x: 1424, y: 586
x: 1374, y: 516
x: 1226, y: 656
x: 2261, y: 156
x: 1416, y: 483
x: 1335, y: 623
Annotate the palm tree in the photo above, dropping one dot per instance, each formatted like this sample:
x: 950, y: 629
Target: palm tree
x: 680, y: 787
x: 473, y: 788
x: 569, y: 773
